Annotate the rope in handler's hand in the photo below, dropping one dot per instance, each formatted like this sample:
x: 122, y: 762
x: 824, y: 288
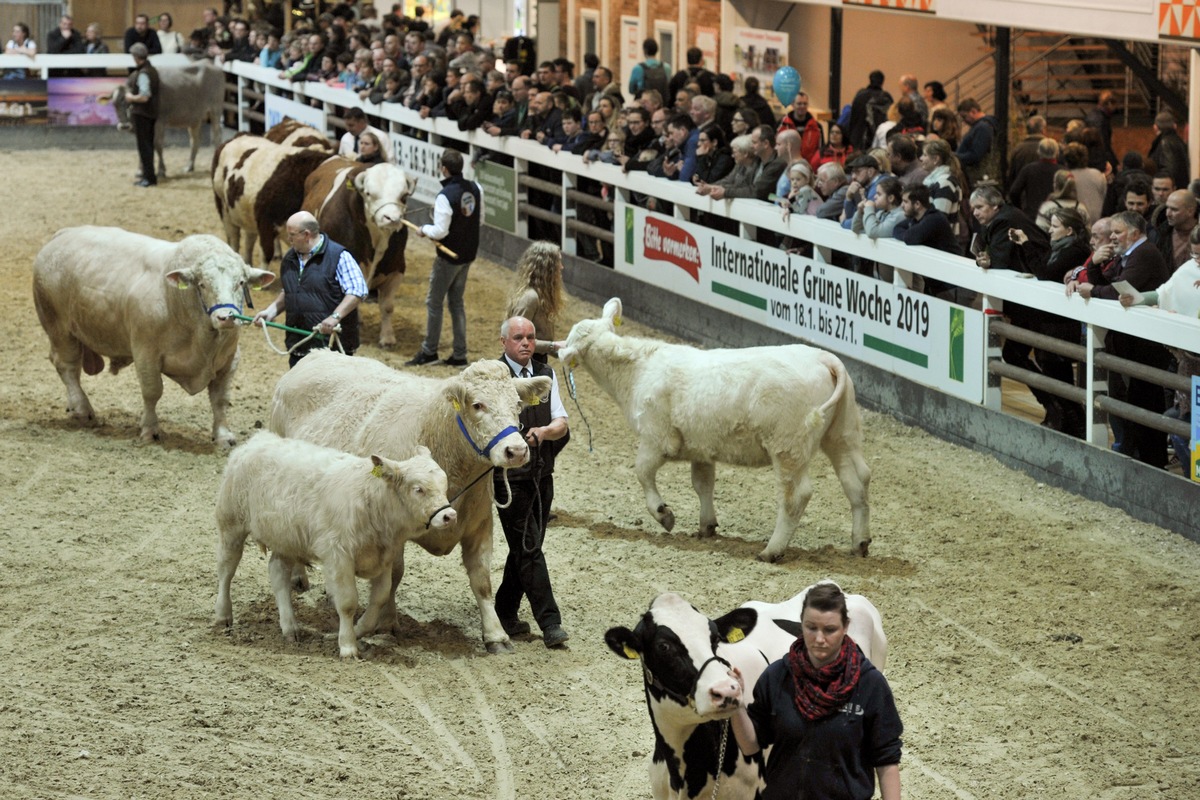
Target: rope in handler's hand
x: 569, y: 375
x: 313, y: 334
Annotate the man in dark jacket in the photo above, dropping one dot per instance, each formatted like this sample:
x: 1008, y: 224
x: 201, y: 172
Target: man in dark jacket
x: 64, y: 40
x: 865, y: 112
x: 141, y: 92
x: 1170, y: 152
x: 977, y: 152
x: 141, y: 34
x: 694, y: 73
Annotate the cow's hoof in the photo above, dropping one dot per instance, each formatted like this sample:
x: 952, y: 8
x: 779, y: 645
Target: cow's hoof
x: 499, y: 648
x: 666, y: 518
x: 767, y: 557
x: 862, y: 549
x: 222, y: 624
x: 387, y: 345
x: 708, y: 531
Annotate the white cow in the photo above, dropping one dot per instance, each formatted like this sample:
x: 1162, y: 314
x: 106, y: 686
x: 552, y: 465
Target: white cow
x: 188, y: 97
x: 468, y: 421
x: 755, y: 406
x: 165, y: 307
x: 306, y: 503
x: 691, y: 690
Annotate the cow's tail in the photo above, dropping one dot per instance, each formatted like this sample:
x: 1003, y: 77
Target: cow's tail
x: 818, y: 417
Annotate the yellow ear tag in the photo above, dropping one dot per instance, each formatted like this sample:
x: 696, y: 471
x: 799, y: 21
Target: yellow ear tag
x: 378, y: 471
x: 573, y: 364
x: 457, y: 407
x: 181, y: 285
x: 349, y: 183
x: 630, y: 653
x: 735, y: 635
x: 617, y: 321
x: 536, y: 401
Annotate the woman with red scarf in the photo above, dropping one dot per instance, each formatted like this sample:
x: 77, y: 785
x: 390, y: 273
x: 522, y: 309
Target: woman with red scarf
x: 826, y: 713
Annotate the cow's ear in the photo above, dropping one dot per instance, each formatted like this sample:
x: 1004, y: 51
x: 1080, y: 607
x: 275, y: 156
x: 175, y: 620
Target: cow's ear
x: 456, y: 395
x: 737, y: 624
x: 422, y: 452
x: 620, y: 640
x: 358, y: 181
x: 179, y: 278
x: 258, y: 278
x: 384, y: 468
x: 612, y: 312
x: 533, y: 390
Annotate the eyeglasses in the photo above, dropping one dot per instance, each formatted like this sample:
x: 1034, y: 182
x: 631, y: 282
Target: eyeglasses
x: 738, y: 119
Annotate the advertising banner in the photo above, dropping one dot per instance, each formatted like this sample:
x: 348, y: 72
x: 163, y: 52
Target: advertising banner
x: 83, y: 101
x: 279, y: 108
x: 924, y: 339
x: 499, y: 185
x: 423, y: 160
x: 23, y: 101
x: 758, y: 52
x: 631, y: 46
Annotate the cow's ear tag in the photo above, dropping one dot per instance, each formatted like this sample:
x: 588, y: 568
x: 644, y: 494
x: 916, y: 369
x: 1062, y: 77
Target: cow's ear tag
x: 617, y: 321
x: 573, y: 363
x: 535, y: 401
x: 181, y: 285
x: 630, y: 653
x: 457, y: 407
x: 378, y: 471
x: 350, y: 183
x: 735, y: 635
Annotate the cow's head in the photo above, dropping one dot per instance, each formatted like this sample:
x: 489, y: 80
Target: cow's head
x: 677, y: 647
x: 121, y: 106
x: 385, y: 189
x: 217, y: 278
x: 487, y: 401
x: 585, y: 332
x: 420, y: 485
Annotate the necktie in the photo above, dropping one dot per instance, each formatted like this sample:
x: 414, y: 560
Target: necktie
x: 524, y: 372
x: 356, y: 144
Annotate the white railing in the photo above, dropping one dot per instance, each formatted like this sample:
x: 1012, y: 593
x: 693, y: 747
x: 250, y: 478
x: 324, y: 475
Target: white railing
x: 40, y: 65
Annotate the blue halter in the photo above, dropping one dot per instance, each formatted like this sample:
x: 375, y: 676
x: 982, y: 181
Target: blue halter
x: 485, y: 452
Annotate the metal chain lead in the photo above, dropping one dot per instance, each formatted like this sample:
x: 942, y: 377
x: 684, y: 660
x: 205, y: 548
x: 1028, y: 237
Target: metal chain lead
x: 721, y: 758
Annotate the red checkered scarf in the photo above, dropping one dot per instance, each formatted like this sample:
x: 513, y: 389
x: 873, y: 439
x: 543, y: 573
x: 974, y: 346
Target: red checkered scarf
x: 821, y: 691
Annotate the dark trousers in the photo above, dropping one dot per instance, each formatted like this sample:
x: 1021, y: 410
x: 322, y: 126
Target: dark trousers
x: 525, y: 572
x: 143, y: 129
x: 1141, y: 441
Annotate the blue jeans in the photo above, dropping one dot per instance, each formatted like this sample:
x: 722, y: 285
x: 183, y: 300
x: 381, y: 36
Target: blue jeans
x: 448, y: 284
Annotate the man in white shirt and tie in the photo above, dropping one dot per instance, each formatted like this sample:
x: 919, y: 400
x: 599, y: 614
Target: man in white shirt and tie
x: 545, y: 429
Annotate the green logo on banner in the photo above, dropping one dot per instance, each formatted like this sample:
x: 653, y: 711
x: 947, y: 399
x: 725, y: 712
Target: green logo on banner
x: 629, y: 235
x: 957, y: 345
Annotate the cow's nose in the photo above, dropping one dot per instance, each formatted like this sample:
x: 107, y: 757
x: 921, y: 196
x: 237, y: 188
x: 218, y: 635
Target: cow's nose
x: 516, y: 454
x: 449, y: 516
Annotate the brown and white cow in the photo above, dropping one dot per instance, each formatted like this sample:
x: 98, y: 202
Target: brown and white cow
x: 164, y: 307
x: 688, y: 663
x: 257, y: 185
x: 189, y: 97
x: 362, y: 208
x: 753, y: 406
x: 469, y: 422
x: 307, y: 503
x: 296, y: 134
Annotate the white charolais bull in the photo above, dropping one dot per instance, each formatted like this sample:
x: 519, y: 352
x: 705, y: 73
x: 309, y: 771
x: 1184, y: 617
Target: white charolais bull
x: 691, y: 688
x: 469, y: 422
x: 165, y: 307
x: 304, y: 503
x: 753, y: 407
x: 190, y: 96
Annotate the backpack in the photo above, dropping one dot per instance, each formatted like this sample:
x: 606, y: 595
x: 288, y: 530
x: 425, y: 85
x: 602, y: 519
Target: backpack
x: 877, y: 114
x: 655, y: 77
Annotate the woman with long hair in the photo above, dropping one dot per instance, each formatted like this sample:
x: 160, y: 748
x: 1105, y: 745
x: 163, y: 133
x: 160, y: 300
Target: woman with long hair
x: 19, y: 45
x: 538, y: 294
x: 825, y: 711
x: 744, y: 120
x: 1064, y: 195
x: 170, y: 39
x: 836, y: 150
x: 945, y: 179
x: 944, y: 124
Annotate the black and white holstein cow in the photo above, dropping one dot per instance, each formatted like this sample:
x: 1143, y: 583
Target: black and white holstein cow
x: 687, y: 669
x: 362, y: 208
x: 188, y: 97
x: 165, y: 307
x: 753, y: 407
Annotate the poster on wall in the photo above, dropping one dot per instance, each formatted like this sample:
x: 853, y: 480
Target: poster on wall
x: 23, y: 101
x: 631, y: 44
x: 707, y: 40
x: 924, y: 339
x: 920, y: 6
x: 1177, y: 19
x: 82, y: 101
x: 279, y: 108
x: 758, y: 52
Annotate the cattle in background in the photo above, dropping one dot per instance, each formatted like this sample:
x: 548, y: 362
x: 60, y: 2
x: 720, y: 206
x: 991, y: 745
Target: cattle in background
x: 306, y: 503
x: 257, y: 185
x: 469, y: 422
x: 189, y: 97
x: 296, y: 134
x: 753, y: 407
x: 362, y: 208
x: 164, y: 307
x: 691, y: 690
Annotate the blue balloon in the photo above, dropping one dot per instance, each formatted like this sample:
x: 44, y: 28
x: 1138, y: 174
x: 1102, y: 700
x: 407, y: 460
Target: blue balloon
x: 786, y: 84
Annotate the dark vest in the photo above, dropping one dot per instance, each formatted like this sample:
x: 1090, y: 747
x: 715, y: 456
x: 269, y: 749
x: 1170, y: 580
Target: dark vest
x: 144, y: 109
x: 467, y: 209
x: 311, y: 297
x: 542, y: 458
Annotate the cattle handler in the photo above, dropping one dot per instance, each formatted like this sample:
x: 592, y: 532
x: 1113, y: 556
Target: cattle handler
x: 322, y: 287
x: 142, y: 94
x: 544, y: 427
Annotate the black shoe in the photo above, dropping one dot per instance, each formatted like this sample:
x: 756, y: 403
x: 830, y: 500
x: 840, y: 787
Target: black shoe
x: 420, y: 359
x: 455, y: 362
x: 555, y: 636
x: 515, y: 627
x: 143, y: 183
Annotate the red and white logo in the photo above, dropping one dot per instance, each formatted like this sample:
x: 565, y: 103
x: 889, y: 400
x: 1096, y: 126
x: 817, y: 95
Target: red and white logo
x: 662, y: 241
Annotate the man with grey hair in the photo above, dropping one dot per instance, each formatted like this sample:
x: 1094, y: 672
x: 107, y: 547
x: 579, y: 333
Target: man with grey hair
x: 998, y: 249
x: 1026, y: 151
x: 831, y: 183
x: 911, y: 89
x: 141, y: 92
x: 1035, y: 181
x: 1169, y: 151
